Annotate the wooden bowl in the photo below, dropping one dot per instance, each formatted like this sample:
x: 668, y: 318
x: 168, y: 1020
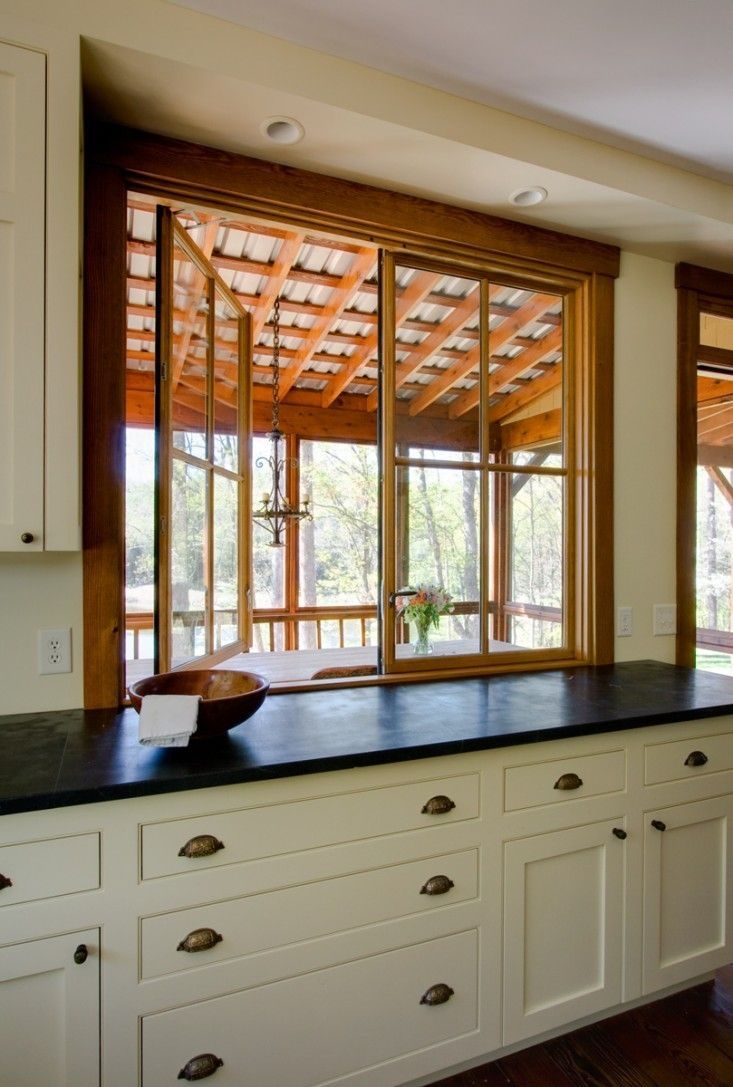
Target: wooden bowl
x: 227, y: 697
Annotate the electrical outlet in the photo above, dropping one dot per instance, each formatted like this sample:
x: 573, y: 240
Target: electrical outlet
x: 665, y: 619
x: 54, y: 651
x: 624, y: 622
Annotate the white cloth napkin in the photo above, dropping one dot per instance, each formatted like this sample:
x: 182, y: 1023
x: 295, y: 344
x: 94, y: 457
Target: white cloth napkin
x: 168, y: 720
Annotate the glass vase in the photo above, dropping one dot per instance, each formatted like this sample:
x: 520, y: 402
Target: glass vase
x: 422, y: 644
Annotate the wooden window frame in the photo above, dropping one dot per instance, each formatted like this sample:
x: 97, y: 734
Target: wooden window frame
x: 119, y: 160
x: 699, y: 290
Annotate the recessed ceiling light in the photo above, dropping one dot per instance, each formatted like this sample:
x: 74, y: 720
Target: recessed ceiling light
x: 527, y: 198
x: 282, y: 129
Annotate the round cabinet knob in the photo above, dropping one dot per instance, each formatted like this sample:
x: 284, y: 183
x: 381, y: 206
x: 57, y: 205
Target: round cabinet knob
x: 5, y: 882
x: 201, y: 939
x: 438, y: 805
x: 437, y: 885
x: 200, y: 1067
x: 437, y: 994
x: 619, y: 832
x: 27, y: 537
x: 696, y: 758
x: 568, y: 781
x: 658, y: 824
x: 203, y: 845
x: 81, y: 954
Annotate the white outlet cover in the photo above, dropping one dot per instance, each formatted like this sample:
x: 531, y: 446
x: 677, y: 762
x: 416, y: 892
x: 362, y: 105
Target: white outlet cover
x: 665, y: 619
x: 624, y: 622
x: 54, y: 651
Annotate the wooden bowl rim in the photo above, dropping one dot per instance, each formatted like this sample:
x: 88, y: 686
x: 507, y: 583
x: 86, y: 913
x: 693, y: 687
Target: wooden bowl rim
x: 262, y: 683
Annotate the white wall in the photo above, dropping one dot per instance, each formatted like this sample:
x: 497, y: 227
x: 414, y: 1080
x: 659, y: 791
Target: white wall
x: 41, y: 591
x: 645, y: 450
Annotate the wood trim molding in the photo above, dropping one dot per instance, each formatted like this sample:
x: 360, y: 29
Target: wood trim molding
x: 289, y: 194
x: 120, y: 159
x: 692, y: 277
x: 688, y: 339
x: 103, y: 513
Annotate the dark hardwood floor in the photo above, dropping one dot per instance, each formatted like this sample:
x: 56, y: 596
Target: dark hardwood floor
x: 683, y: 1041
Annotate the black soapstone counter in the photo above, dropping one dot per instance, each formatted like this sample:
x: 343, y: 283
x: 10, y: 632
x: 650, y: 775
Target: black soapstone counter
x: 55, y: 759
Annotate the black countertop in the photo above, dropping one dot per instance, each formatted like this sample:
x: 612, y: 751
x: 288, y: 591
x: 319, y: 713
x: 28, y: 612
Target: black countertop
x: 50, y: 760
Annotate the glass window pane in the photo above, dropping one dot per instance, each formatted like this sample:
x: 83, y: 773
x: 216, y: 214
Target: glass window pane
x: 189, y: 356
x: 188, y: 562
x: 139, y: 551
x: 226, y: 389
x: 339, y: 547
x: 535, y: 585
x: 437, y: 356
x: 438, y: 556
x: 268, y: 562
x: 226, y: 561
x: 525, y: 375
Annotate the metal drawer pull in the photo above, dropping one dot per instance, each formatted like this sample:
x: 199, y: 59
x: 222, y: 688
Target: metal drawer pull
x: 696, y: 758
x: 438, y: 805
x: 81, y: 954
x: 568, y: 781
x: 658, y: 824
x: 620, y: 833
x: 201, y: 939
x: 437, y: 885
x: 437, y: 994
x: 5, y: 882
x: 200, y: 1067
x: 203, y: 845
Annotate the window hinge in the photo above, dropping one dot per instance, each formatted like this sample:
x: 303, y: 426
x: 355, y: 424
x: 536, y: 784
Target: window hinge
x: 164, y: 371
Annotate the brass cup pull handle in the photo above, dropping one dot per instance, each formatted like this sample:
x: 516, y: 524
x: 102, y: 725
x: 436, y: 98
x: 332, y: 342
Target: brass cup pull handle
x: 438, y: 805
x: 201, y: 939
x: 200, y: 1067
x: 568, y: 781
x: 658, y: 824
x: 437, y: 885
x: 619, y: 832
x: 203, y: 845
x: 696, y: 758
x: 5, y: 882
x: 81, y: 954
x: 437, y: 994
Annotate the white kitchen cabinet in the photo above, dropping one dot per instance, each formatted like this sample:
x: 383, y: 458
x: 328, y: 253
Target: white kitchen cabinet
x: 564, y: 922
x: 39, y: 285
x: 49, y: 1011
x: 688, y: 891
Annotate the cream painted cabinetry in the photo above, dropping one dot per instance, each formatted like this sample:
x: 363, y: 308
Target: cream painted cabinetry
x: 39, y: 364
x: 382, y: 926
x: 564, y: 910
x: 49, y: 1008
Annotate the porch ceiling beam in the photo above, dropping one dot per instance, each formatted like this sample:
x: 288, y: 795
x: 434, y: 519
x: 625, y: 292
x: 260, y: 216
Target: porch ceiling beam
x: 545, y: 427
x: 509, y: 372
x: 413, y: 294
x: 286, y: 257
x: 723, y: 485
x: 348, y: 285
x: 721, y: 455
x: 527, y: 393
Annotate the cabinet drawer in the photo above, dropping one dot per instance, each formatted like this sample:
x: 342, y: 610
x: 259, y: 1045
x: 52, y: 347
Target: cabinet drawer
x: 59, y: 866
x: 272, y: 830
x: 318, y: 1027
x: 565, y: 779
x: 669, y: 761
x: 260, y: 922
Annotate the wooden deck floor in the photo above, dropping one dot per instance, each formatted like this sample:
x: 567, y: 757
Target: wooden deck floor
x: 683, y: 1041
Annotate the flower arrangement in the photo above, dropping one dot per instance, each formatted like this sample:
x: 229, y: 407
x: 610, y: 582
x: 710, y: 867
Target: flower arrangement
x: 424, y: 607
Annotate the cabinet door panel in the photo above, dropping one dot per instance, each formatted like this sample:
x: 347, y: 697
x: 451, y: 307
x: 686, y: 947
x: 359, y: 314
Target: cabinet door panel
x: 687, y: 892
x: 22, y: 308
x: 563, y: 927
x: 43, y: 989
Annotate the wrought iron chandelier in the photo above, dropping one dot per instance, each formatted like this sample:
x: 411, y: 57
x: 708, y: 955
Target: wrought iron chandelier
x: 276, y: 512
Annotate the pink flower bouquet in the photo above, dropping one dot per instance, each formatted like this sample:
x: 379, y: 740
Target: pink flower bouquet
x: 424, y: 608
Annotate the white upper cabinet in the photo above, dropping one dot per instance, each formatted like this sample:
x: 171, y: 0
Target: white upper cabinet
x: 39, y: 359
x: 22, y: 302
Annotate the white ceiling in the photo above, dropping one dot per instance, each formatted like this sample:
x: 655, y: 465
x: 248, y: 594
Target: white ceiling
x: 651, y: 76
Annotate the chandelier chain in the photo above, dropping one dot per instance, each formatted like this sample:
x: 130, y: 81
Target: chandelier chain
x: 276, y: 365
